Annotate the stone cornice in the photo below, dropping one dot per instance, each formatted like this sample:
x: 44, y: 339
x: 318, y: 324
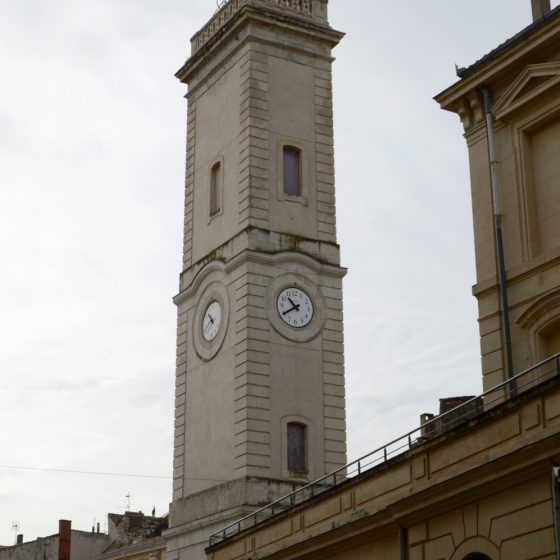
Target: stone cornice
x: 262, y: 11
x: 518, y: 274
x: 266, y: 247
x: 260, y: 258
x: 312, y: 9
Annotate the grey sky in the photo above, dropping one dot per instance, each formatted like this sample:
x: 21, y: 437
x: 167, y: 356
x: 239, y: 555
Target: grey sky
x: 92, y: 127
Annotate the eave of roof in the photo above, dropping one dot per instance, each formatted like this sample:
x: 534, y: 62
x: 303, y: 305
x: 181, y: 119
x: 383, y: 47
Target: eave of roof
x: 523, y: 34
x: 502, y: 59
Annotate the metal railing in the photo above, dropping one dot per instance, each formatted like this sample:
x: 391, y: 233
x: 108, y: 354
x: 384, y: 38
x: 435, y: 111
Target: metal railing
x: 438, y: 425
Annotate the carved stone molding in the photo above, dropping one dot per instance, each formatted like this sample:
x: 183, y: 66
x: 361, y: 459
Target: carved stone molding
x: 533, y: 82
x: 314, y: 9
x: 470, y: 109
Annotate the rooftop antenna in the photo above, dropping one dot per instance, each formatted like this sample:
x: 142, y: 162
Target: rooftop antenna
x: 15, y: 529
x: 128, y: 502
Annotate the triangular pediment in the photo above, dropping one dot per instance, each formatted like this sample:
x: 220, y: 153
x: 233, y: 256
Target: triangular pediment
x: 531, y: 83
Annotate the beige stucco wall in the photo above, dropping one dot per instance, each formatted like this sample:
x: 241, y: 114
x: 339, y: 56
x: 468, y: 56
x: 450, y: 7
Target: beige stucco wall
x: 217, y: 111
x: 514, y: 524
x: 87, y: 545
x: 383, y: 548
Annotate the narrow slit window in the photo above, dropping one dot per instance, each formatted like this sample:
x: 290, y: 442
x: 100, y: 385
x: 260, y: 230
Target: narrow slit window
x: 296, y: 448
x: 292, y: 171
x: 215, y: 188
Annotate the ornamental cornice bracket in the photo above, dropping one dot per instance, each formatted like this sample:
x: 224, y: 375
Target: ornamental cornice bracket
x: 463, y: 109
x: 476, y: 102
x: 470, y: 109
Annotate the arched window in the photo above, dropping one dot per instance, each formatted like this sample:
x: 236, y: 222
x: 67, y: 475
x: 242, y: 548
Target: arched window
x: 292, y: 171
x: 541, y: 321
x: 550, y: 339
x: 215, y: 188
x: 297, y: 447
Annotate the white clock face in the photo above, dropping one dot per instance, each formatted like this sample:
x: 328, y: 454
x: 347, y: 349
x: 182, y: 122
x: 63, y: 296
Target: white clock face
x: 211, y: 321
x: 295, y: 307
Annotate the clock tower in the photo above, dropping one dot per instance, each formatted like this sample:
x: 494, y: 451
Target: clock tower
x: 260, y: 372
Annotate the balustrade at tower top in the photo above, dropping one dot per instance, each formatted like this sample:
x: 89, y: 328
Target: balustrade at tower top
x: 315, y: 10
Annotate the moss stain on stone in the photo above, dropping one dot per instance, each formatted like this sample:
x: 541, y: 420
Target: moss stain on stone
x: 212, y: 256
x: 293, y: 241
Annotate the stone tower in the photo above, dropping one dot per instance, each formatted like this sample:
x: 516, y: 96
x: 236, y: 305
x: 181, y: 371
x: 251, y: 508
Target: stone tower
x: 260, y: 378
x: 509, y: 104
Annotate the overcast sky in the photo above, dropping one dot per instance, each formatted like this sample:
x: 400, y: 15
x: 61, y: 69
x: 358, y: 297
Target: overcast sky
x: 92, y: 127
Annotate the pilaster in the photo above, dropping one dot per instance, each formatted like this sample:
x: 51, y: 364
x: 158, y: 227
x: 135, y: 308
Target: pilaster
x: 254, y: 172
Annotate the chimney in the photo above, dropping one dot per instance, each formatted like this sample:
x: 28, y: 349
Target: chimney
x: 540, y: 8
x: 19, y: 539
x: 64, y: 539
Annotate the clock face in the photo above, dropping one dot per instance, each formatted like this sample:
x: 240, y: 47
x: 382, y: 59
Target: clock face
x: 295, y: 307
x: 211, y: 321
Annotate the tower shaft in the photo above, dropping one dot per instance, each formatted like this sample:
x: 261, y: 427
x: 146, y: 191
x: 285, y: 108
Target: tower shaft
x: 260, y: 372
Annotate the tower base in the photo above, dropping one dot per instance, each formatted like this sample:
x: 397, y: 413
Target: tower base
x: 193, y: 519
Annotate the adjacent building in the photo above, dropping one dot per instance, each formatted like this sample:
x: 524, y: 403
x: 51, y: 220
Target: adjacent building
x: 508, y: 105
x: 67, y: 544
x: 135, y: 536
x: 131, y: 536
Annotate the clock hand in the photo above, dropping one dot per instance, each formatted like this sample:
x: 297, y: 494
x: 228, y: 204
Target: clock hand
x: 296, y: 307
x: 209, y: 323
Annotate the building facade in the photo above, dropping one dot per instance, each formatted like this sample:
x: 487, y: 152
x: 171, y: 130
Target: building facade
x: 516, y: 87
x: 486, y: 489
x: 260, y: 375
